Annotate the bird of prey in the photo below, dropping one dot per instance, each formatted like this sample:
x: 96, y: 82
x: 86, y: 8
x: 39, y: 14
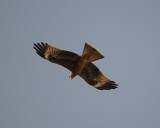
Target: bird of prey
x: 77, y: 64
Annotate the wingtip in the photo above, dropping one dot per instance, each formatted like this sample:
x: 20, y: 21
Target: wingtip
x: 113, y: 85
x: 40, y: 48
x: 108, y: 86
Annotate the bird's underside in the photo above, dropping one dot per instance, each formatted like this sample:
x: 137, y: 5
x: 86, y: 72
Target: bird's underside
x: 78, y: 65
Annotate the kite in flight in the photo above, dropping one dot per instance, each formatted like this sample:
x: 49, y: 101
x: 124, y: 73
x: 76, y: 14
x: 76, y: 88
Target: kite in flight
x: 78, y: 64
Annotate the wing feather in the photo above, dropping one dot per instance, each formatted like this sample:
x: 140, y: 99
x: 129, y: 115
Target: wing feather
x: 56, y: 55
x: 93, y: 76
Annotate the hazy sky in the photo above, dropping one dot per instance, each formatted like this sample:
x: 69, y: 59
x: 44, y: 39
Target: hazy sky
x: 35, y: 93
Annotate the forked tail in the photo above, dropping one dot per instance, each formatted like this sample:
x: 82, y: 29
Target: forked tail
x: 91, y: 54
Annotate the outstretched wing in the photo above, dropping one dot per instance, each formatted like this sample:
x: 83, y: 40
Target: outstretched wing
x: 93, y: 76
x: 56, y: 55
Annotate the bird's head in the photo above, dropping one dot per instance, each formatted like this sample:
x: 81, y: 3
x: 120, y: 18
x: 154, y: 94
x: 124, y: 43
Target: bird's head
x: 71, y: 75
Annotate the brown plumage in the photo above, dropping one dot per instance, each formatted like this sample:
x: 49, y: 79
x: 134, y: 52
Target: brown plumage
x: 78, y: 65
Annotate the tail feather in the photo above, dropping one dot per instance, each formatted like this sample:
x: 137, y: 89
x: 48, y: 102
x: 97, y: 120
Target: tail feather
x: 91, y: 54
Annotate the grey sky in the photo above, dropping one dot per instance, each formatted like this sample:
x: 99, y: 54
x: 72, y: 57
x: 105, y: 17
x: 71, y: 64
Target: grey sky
x: 35, y: 93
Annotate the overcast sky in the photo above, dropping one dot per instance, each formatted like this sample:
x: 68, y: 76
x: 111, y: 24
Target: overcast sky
x: 35, y: 93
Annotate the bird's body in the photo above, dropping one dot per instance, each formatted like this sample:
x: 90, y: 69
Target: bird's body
x: 78, y: 64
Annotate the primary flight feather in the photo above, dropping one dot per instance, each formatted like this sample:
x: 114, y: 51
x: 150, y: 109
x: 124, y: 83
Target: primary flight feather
x: 78, y: 64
